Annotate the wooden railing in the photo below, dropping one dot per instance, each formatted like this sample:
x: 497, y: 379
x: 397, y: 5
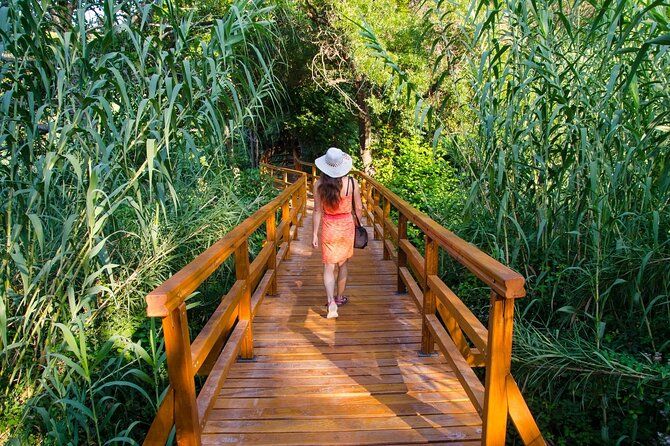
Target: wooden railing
x: 229, y: 332
x: 418, y: 275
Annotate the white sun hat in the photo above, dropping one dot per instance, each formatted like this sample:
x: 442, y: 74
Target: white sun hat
x: 335, y: 163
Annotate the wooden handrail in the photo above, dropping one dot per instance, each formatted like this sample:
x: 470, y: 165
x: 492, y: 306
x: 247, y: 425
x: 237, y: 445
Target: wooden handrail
x: 181, y: 407
x: 418, y: 275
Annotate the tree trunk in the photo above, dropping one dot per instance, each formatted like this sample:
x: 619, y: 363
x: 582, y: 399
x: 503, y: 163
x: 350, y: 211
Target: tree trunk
x: 364, y: 126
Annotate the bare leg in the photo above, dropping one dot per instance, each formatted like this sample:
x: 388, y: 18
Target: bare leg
x: 342, y: 278
x: 329, y: 280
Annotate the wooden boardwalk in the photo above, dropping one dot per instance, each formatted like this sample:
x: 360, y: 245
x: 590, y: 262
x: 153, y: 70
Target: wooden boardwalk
x: 278, y: 372
x: 354, y: 380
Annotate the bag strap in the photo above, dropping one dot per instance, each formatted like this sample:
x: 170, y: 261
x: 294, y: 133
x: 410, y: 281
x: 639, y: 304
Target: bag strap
x: 353, y: 203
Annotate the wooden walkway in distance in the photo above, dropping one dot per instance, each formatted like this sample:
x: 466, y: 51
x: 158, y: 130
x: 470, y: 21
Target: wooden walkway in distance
x: 354, y: 380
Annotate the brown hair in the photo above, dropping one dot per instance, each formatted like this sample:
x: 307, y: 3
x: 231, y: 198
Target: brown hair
x: 329, y: 190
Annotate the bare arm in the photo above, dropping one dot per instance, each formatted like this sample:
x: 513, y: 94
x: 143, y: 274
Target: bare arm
x: 358, y: 203
x: 318, y: 210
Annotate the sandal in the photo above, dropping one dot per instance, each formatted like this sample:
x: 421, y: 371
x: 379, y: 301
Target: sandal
x: 332, y: 310
x: 341, y: 300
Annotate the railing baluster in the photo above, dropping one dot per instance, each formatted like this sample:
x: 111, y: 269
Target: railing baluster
x: 271, y: 237
x: 285, y: 215
x: 375, y: 199
x: 305, y: 189
x: 402, y: 255
x: 386, y: 215
x: 181, y: 375
x: 295, y: 202
x: 430, y: 268
x: 242, y: 273
x: 498, y: 365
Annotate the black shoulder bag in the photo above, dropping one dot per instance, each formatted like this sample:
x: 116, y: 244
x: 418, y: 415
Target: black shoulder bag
x: 360, y: 234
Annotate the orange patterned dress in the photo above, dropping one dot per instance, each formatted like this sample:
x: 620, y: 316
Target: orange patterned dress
x: 337, y: 230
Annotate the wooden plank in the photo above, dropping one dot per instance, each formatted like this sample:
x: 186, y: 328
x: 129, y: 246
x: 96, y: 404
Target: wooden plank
x: 214, y: 328
x: 368, y: 407
x: 344, y: 342
x: 414, y: 257
x: 471, y: 384
x: 360, y: 380
x: 281, y: 231
x: 381, y: 437
x: 389, y: 247
x: 261, y: 290
x: 521, y: 416
x: 218, y: 346
x: 282, y: 252
x: 160, y: 428
x: 472, y: 356
x: 258, y: 266
x: 377, y: 229
x: 418, y: 368
x: 377, y: 211
x: 307, y: 402
x: 306, y: 350
x: 412, y: 287
x: 344, y: 327
x: 408, y: 359
x: 392, y: 230
x: 355, y: 308
x: 210, y: 390
x: 337, y: 424
x: 340, y: 389
x: 271, y: 167
x: 468, y: 322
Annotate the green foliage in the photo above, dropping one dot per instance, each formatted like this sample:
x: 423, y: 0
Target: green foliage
x: 420, y: 175
x: 321, y: 120
x: 118, y: 141
x: 566, y: 169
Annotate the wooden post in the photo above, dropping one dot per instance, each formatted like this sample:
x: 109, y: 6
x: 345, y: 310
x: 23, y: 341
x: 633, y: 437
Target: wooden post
x: 370, y: 203
x: 271, y: 237
x: 294, y: 205
x: 285, y: 178
x: 374, y: 214
x: 364, y: 199
x: 498, y: 367
x: 181, y: 375
x: 242, y: 273
x: 402, y: 255
x: 386, y: 219
x: 286, y: 236
x: 303, y: 211
x: 430, y: 268
x: 305, y: 191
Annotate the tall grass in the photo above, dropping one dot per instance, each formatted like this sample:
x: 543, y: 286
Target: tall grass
x: 567, y: 172
x: 116, y: 139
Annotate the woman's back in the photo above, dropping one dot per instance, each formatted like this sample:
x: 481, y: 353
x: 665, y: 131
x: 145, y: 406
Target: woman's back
x: 344, y: 205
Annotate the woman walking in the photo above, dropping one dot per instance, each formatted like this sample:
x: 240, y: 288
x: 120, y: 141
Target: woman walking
x: 333, y: 193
